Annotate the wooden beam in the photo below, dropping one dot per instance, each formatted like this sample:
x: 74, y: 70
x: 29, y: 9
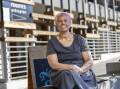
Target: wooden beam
x: 91, y: 35
x: 112, y: 23
x: 118, y: 23
x: 117, y: 30
x: 36, y: 16
x: 91, y: 19
x: 19, y: 39
x: 79, y: 26
x: 1, y: 38
x: 57, y: 12
x: 42, y: 16
x: 103, y: 29
x: 30, y: 2
x: 21, y: 25
x: 35, y: 32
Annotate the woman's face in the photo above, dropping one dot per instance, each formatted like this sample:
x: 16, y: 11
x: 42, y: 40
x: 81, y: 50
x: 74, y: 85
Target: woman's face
x: 63, y: 23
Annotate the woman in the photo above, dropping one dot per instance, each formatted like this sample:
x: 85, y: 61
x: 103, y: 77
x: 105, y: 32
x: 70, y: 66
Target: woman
x: 69, y: 57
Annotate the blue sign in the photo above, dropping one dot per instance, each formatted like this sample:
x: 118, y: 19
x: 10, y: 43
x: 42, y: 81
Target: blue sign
x: 19, y: 11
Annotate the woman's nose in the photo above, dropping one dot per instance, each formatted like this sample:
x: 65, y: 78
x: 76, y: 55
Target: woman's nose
x: 63, y: 22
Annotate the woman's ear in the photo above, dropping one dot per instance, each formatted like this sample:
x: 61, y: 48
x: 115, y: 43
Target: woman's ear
x: 71, y: 21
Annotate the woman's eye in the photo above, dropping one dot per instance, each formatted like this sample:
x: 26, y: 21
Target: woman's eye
x: 59, y: 21
x: 65, y: 20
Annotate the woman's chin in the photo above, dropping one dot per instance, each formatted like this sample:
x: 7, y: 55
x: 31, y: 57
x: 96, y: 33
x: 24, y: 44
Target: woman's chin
x: 63, y: 30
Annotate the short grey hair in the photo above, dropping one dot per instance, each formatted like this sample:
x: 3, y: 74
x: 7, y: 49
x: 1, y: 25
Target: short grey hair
x: 62, y: 14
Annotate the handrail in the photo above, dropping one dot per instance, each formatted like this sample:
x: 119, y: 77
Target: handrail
x: 21, y: 25
x: 91, y: 19
x: 79, y: 26
x: 113, y: 23
x: 91, y: 35
x: 43, y: 16
x: 103, y: 29
x: 19, y: 39
x: 36, y: 32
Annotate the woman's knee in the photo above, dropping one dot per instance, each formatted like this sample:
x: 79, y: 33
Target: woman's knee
x: 66, y: 73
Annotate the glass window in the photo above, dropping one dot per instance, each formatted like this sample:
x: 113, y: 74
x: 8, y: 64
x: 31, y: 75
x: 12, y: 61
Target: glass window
x: 57, y: 3
x: 110, y: 3
x: 80, y: 7
x: 101, y: 2
x: 47, y: 2
x: 90, y: 0
x: 38, y: 1
x: 65, y: 4
x: 117, y: 5
x: 72, y: 5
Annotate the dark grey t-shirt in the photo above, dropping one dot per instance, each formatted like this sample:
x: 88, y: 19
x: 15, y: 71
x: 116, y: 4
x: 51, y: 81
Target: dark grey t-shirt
x: 71, y: 54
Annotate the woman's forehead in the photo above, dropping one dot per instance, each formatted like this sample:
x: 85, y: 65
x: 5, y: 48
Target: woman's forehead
x: 65, y: 15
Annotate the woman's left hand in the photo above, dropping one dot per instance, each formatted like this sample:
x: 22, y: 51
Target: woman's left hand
x: 77, y: 69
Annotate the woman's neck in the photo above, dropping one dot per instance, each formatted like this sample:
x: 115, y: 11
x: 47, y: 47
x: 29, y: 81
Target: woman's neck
x: 65, y: 35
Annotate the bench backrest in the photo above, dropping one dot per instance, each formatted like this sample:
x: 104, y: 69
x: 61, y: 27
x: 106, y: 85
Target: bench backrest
x: 39, y: 66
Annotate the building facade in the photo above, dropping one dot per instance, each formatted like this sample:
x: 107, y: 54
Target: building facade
x: 26, y: 23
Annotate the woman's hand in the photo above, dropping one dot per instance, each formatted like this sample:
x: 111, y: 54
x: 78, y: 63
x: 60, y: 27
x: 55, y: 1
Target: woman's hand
x: 77, y: 69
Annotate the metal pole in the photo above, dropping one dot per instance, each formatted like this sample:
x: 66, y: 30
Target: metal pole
x: 76, y: 2
x: 69, y: 6
x: 61, y: 3
x: 114, y: 14
x: 95, y: 5
x: 83, y: 7
x: 1, y: 14
x: 3, y: 48
x: 52, y: 5
x: 106, y: 10
x: 43, y: 2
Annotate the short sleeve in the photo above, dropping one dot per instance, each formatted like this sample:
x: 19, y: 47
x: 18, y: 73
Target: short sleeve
x: 83, y: 45
x: 50, y: 48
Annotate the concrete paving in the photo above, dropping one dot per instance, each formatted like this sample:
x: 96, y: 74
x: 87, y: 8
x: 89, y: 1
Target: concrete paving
x: 3, y: 86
